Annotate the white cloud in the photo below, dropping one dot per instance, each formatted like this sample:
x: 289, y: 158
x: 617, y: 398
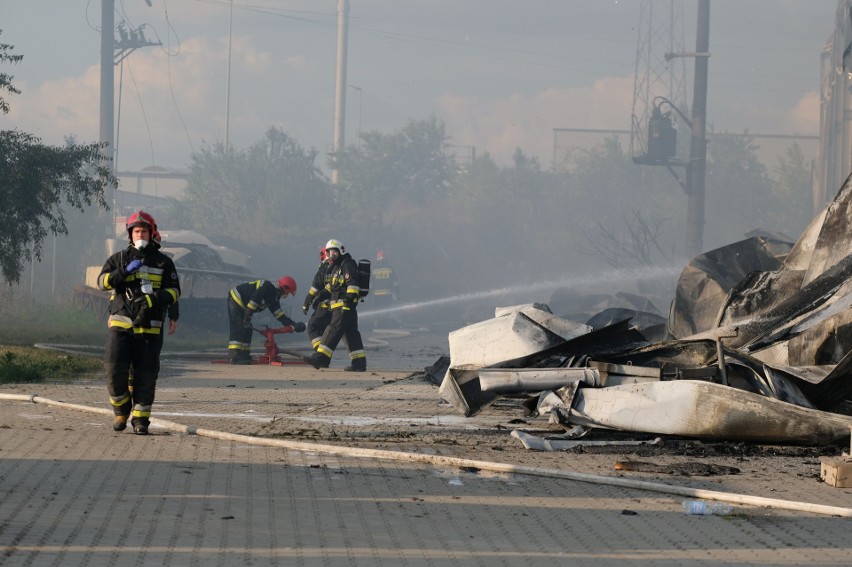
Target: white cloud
x: 296, y: 62
x: 804, y: 116
x: 499, y: 126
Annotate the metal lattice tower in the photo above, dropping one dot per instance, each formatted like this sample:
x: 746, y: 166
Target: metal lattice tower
x: 658, y: 74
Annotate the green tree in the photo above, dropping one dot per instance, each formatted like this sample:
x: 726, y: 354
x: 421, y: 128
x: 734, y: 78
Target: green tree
x: 738, y: 192
x: 624, y: 214
x: 514, y: 212
x: 263, y: 194
x: 36, y: 181
x: 392, y: 176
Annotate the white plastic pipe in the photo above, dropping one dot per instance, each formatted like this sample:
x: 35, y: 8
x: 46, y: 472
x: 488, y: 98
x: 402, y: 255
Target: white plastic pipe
x: 439, y: 460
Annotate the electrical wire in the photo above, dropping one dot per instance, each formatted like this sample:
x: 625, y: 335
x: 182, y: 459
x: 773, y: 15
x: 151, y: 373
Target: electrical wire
x: 169, y: 73
x: 147, y: 125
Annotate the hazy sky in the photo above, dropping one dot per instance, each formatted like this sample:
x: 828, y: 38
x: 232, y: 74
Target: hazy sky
x: 500, y: 74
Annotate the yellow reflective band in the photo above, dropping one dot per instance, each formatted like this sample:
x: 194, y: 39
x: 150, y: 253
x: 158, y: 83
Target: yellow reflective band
x: 236, y: 297
x: 121, y: 402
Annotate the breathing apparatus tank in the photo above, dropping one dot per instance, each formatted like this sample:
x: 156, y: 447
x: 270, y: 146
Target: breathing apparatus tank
x: 364, y: 277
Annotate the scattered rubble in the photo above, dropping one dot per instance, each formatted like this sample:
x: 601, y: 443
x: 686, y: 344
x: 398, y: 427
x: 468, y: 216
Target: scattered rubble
x: 757, y: 347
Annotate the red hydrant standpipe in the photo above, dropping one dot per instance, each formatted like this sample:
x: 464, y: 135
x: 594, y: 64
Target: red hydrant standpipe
x: 272, y: 355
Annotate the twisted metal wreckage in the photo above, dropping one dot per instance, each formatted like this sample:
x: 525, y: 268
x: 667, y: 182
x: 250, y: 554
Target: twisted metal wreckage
x: 757, y: 347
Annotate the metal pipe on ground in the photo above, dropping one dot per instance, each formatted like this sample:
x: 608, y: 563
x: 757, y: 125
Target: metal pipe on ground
x: 438, y: 460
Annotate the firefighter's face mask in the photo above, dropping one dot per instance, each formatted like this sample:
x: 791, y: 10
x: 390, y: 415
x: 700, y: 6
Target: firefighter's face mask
x: 140, y: 236
x: 333, y: 254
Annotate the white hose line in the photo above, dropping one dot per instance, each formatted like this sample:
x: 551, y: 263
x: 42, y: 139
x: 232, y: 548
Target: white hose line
x: 463, y: 463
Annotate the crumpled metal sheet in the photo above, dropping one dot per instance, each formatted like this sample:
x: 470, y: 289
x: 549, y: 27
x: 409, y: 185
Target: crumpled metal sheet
x: 704, y: 283
x: 704, y: 410
x: 512, y: 340
x: 834, y: 241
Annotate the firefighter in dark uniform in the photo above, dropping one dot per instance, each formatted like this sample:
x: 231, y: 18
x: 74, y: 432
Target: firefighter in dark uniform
x: 247, y: 299
x: 143, y: 282
x: 317, y: 298
x: 344, y: 293
x: 173, y: 312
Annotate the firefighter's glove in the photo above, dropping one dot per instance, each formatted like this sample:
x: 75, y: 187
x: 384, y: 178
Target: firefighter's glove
x: 299, y: 327
x: 133, y: 266
x: 247, y: 322
x: 305, y: 308
x: 149, y: 300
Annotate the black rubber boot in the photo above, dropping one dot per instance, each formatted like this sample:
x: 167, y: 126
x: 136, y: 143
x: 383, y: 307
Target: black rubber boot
x: 140, y: 426
x: 317, y: 360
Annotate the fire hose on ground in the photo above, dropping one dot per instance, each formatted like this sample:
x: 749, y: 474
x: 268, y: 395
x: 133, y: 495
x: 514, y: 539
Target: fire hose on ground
x: 443, y: 461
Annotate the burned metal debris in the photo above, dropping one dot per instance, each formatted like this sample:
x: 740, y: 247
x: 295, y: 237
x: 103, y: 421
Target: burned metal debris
x: 757, y: 347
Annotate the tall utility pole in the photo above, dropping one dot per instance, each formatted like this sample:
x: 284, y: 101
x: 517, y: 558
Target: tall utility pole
x: 340, y: 86
x: 113, y: 53
x: 695, y: 171
x: 107, y: 125
x: 228, y: 81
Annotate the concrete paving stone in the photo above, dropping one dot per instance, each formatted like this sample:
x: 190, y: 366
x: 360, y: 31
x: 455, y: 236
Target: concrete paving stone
x: 74, y: 492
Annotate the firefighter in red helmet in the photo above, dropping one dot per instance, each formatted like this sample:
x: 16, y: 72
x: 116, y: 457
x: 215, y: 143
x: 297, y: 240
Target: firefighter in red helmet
x: 317, y: 298
x: 143, y: 282
x: 247, y: 299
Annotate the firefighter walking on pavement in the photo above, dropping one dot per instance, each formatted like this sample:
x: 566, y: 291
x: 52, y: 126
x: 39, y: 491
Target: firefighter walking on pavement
x: 143, y: 282
x: 343, y: 289
x: 249, y: 298
x: 318, y: 298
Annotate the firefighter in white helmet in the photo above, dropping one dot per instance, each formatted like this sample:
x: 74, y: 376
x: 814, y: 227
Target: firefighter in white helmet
x: 344, y: 293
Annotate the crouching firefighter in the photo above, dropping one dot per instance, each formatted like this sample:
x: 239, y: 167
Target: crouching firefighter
x: 143, y: 282
x: 247, y: 299
x: 344, y: 292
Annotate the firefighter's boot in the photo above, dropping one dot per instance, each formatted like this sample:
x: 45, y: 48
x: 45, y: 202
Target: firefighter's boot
x: 120, y: 423
x: 358, y: 365
x: 317, y: 360
x: 121, y: 408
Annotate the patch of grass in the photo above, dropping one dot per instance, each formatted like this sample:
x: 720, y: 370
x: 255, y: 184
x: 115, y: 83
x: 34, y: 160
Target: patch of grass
x: 76, y: 326
x: 26, y: 364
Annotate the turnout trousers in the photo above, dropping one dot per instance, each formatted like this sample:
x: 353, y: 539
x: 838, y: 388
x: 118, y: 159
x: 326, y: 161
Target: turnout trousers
x: 239, y: 338
x: 344, y: 325
x: 317, y: 324
x: 141, y: 353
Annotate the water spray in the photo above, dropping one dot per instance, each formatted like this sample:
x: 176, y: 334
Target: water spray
x: 619, y: 275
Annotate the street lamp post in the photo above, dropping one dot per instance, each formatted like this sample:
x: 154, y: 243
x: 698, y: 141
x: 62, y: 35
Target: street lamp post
x: 360, y: 106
